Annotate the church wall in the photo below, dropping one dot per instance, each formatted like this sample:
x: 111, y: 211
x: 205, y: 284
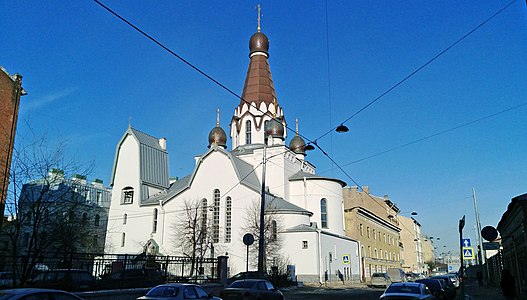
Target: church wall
x: 336, y: 248
x: 126, y: 175
x: 303, y: 258
x: 291, y: 220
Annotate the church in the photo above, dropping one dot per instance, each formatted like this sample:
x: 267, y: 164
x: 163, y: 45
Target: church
x: 303, y: 211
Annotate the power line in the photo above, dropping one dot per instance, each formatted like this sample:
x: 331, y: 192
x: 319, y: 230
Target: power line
x: 418, y: 69
x: 435, y: 134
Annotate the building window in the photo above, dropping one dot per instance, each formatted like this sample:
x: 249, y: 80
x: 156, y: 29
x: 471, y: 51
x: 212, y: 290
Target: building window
x: 125, y: 218
x: 324, y: 213
x: 374, y: 234
x: 127, y: 195
x: 228, y: 208
x: 248, y: 129
x: 97, y: 219
x: 304, y: 245
x: 384, y: 235
x: 123, y: 238
x: 368, y: 231
x: 362, y: 250
x: 375, y: 253
x: 361, y: 229
x: 274, y: 231
x: 380, y: 253
x: 84, y: 218
x: 95, y: 241
x: 369, y: 251
x: 216, y: 217
x: 154, y: 221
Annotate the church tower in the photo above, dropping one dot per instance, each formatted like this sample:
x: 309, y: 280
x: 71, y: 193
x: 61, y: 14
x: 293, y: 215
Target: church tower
x: 248, y: 125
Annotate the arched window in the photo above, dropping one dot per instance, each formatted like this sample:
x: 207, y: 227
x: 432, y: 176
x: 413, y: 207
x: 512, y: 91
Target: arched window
x: 204, y: 209
x: 362, y: 250
x: 248, y: 129
x: 97, y: 219
x: 368, y: 231
x: 369, y: 251
x: 216, y: 217
x: 274, y: 231
x: 125, y: 218
x: 374, y: 234
x: 228, y: 220
x: 324, y: 213
x: 127, y: 195
x: 84, y: 218
x: 385, y: 254
x: 375, y: 253
x: 154, y: 221
x: 361, y: 229
x: 123, y: 238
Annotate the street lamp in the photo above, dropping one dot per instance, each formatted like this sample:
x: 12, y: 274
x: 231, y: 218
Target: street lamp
x: 342, y: 128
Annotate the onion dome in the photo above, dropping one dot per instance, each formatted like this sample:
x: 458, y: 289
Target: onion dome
x: 217, y: 136
x: 275, y: 128
x: 259, y: 43
x: 297, y: 144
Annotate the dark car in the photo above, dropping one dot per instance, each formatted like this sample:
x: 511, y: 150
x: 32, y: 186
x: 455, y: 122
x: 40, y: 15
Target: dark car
x: 436, y: 287
x: 177, y: 291
x: 40, y: 294
x: 449, y: 287
x: 132, y: 278
x: 251, y: 289
x: 67, y: 279
x: 247, y: 275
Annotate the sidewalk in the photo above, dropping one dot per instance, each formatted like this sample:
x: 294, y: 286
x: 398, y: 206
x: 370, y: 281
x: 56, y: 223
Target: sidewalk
x: 475, y: 292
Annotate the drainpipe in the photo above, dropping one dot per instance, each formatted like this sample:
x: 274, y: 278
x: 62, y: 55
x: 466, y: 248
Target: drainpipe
x: 163, y: 227
x: 305, y: 192
x: 319, y: 254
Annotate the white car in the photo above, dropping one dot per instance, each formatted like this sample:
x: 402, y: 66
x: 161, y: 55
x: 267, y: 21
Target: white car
x: 28, y: 293
x: 177, y: 291
x: 407, y: 290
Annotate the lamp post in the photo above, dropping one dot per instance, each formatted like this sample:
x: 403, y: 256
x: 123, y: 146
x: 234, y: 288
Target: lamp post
x: 461, y: 225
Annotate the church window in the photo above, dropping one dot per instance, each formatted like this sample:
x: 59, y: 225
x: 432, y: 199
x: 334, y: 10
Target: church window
x: 248, y: 129
x: 125, y: 218
x: 304, y: 244
x: 228, y: 216
x: 97, y: 219
x: 154, y: 222
x: 216, y: 218
x: 127, y: 195
x: 324, y: 213
x: 204, y: 209
x: 123, y: 239
x: 274, y: 231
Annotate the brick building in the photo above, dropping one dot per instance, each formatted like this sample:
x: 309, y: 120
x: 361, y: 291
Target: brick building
x: 10, y: 92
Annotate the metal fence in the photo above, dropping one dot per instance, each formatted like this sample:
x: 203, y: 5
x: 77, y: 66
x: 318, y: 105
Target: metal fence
x: 114, y: 266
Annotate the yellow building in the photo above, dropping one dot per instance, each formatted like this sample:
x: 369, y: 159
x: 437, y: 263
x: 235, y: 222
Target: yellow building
x: 372, y: 221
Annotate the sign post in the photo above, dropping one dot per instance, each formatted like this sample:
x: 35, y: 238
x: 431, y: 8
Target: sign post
x: 461, y: 225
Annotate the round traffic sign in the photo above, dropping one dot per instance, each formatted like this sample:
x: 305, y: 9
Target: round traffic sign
x: 248, y: 239
x: 489, y: 233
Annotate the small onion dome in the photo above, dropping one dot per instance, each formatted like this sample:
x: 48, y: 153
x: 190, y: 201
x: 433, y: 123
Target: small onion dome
x: 217, y: 137
x: 275, y: 128
x: 259, y: 43
x: 298, y: 145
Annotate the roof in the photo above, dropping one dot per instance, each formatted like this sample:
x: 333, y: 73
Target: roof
x: 279, y: 205
x: 313, y: 228
x: 521, y: 199
x: 300, y: 175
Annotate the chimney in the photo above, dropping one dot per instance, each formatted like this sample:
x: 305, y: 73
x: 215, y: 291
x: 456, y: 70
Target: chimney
x: 163, y: 143
x: 366, y: 189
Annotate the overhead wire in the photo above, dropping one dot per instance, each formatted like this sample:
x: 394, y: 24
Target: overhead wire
x: 418, y: 69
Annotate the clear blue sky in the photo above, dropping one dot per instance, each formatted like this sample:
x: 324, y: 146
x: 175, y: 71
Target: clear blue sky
x: 86, y: 73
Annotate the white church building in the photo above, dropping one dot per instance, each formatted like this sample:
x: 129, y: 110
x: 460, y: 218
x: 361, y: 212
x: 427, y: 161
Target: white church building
x: 306, y: 209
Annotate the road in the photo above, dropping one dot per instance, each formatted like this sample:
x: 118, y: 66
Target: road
x: 308, y: 293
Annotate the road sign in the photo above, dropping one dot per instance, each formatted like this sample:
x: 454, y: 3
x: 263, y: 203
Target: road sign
x: 450, y: 268
x: 465, y: 243
x: 468, y: 253
x: 345, y: 258
x: 491, y: 246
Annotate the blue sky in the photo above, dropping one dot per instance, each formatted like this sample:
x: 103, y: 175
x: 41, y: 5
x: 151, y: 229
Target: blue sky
x: 86, y: 73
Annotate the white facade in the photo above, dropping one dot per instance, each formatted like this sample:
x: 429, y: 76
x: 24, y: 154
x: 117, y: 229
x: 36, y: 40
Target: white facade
x: 307, y: 207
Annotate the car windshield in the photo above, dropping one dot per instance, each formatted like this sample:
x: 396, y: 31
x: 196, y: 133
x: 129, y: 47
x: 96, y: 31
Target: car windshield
x: 163, y: 291
x: 403, y: 289
x: 378, y: 275
x: 242, y: 284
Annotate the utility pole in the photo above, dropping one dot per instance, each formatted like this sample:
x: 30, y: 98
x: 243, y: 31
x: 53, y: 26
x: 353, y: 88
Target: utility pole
x: 261, y: 242
x: 462, y: 269
x: 481, y: 256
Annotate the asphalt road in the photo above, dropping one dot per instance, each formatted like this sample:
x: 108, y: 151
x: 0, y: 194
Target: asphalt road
x: 308, y: 293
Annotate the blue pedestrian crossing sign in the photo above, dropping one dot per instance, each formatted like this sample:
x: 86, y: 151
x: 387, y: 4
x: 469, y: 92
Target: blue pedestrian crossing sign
x: 345, y: 258
x: 468, y: 253
x: 465, y: 243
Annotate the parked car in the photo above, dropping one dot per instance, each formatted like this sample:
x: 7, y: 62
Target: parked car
x: 246, y: 275
x: 449, y: 287
x: 40, y: 294
x: 380, y: 279
x: 66, y: 279
x: 436, y: 287
x: 131, y: 278
x: 177, y: 291
x: 8, y: 280
x: 411, y: 276
x: 396, y: 274
x: 407, y: 290
x: 251, y: 289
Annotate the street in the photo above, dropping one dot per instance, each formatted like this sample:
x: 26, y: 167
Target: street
x: 306, y: 293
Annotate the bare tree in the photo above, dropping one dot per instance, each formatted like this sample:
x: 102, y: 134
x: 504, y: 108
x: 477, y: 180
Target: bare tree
x: 191, y: 235
x: 272, y: 229
x: 41, y: 208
